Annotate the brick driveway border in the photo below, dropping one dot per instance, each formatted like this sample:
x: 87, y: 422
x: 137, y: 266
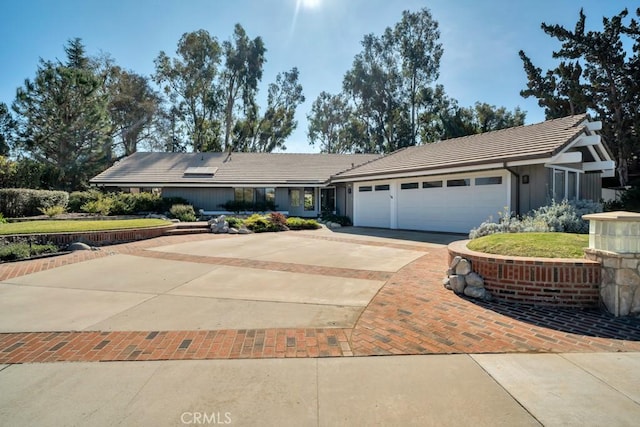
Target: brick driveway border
x: 411, y: 314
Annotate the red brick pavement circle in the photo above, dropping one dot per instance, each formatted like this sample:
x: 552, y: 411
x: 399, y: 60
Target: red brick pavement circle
x: 411, y: 314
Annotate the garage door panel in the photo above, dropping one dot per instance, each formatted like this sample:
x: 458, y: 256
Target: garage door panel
x: 452, y: 209
x: 373, y: 209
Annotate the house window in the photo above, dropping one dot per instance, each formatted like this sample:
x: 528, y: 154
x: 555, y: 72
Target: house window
x: 309, y: 199
x: 259, y: 195
x: 565, y: 184
x: 382, y: 187
x: 432, y: 184
x: 365, y: 188
x: 328, y: 199
x: 492, y: 180
x: 244, y: 194
x: 409, y: 186
x: 458, y: 182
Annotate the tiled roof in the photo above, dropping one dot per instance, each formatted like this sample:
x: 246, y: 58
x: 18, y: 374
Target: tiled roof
x: 236, y: 168
x: 519, y: 143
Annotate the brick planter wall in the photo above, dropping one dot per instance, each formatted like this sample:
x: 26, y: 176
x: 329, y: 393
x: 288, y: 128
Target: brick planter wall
x: 535, y: 281
x: 94, y: 238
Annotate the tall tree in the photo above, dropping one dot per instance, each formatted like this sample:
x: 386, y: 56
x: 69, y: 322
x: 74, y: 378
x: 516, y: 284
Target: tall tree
x: 328, y: 123
x: 7, y: 127
x: 239, y: 80
x: 417, y: 37
x: 598, y: 74
x: 133, y: 106
x: 189, y: 81
x: 269, y: 132
x: 389, y: 87
x: 63, y: 119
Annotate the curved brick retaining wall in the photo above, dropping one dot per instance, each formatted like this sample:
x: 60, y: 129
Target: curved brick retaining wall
x: 535, y: 281
x: 94, y: 238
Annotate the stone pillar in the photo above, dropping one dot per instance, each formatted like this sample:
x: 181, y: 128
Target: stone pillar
x: 614, y: 241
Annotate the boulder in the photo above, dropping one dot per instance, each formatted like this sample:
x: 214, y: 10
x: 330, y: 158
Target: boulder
x: 445, y: 283
x: 475, y: 292
x: 454, y: 262
x: 463, y: 267
x: 457, y: 283
x: 474, y: 279
x: 244, y: 230
x: 233, y: 230
x: 79, y: 246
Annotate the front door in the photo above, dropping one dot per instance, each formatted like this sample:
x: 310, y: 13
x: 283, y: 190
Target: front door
x: 296, y: 201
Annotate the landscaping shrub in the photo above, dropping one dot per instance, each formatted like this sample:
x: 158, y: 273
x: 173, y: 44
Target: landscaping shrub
x: 566, y: 217
x: 295, y: 223
x: 101, y: 206
x: 234, y: 222
x: 184, y: 213
x: 259, y: 224
x: 52, y: 211
x: 2, y: 219
x: 20, y: 202
x: 79, y: 198
x: 558, y: 217
x: 629, y: 200
x: 343, y: 220
x: 21, y: 250
x: 124, y: 203
x: 164, y: 204
x: 279, y: 221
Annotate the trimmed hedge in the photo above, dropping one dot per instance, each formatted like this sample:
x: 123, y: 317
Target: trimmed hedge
x: 20, y: 202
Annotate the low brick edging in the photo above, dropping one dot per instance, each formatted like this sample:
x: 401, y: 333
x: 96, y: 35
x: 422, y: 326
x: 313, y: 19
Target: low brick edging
x: 94, y: 238
x: 558, y: 282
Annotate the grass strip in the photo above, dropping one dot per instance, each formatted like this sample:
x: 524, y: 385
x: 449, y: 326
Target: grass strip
x: 71, y: 226
x: 544, y: 245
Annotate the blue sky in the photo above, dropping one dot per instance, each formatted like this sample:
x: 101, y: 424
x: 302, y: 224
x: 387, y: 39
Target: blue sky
x: 481, y: 39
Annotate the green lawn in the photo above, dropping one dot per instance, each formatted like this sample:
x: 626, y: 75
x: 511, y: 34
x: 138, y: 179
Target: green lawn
x: 67, y: 226
x: 547, y: 245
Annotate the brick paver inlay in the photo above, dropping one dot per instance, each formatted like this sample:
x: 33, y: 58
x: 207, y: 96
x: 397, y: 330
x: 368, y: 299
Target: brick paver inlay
x: 411, y: 314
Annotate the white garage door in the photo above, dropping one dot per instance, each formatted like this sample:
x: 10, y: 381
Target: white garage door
x: 372, y: 205
x: 455, y: 204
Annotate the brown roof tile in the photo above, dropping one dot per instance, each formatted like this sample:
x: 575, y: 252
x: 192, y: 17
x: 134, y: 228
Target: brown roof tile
x: 237, y: 168
x: 519, y: 143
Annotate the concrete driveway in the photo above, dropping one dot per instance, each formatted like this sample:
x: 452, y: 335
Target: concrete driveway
x: 140, y: 292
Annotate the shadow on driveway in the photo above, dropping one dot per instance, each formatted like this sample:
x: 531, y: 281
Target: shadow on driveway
x: 404, y: 235
x: 592, y: 323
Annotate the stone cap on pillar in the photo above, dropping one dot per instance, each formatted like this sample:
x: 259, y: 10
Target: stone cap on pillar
x: 614, y: 231
x: 613, y: 216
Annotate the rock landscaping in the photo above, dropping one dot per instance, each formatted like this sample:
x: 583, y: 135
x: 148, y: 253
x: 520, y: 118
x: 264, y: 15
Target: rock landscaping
x: 462, y: 280
x: 220, y: 225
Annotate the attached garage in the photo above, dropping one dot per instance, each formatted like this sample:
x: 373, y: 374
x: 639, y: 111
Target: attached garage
x: 452, y: 203
x: 455, y: 185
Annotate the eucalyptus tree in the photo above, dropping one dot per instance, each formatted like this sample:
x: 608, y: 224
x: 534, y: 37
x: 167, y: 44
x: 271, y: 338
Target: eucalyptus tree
x: 387, y: 88
x: 244, y: 59
x: 133, y: 107
x: 189, y: 81
x: 269, y: 131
